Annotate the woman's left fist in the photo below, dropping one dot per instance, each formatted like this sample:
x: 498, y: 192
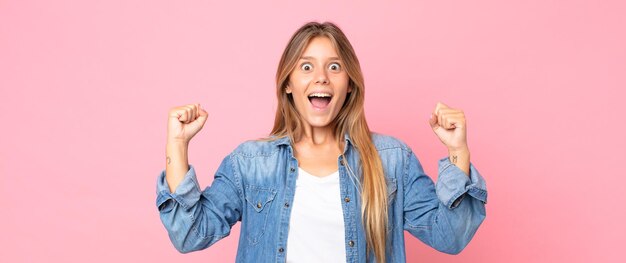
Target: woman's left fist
x: 449, y: 125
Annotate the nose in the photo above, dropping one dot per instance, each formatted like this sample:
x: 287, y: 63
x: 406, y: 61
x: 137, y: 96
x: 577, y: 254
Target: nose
x: 321, y: 77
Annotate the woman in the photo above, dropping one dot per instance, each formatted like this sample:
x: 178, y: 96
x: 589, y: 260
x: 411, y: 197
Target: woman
x: 321, y: 187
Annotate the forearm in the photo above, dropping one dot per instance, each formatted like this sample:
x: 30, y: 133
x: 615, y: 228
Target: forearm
x: 429, y: 210
x: 460, y: 158
x: 176, y: 163
x: 453, y: 229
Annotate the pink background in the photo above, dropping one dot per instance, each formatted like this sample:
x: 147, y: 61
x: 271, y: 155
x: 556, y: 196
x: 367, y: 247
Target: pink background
x: 85, y: 87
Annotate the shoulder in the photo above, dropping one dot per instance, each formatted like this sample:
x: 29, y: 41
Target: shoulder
x: 386, y: 142
x: 259, y: 147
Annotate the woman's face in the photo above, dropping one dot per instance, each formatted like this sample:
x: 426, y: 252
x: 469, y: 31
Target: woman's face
x: 319, y: 83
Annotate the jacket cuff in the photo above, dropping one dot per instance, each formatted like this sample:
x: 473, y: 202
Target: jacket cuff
x: 453, y: 184
x: 186, y: 194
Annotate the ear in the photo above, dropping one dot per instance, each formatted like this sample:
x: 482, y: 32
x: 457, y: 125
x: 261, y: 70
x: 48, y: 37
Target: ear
x: 288, y: 89
x: 349, y: 88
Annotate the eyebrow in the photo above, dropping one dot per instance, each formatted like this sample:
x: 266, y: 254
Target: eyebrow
x: 312, y: 58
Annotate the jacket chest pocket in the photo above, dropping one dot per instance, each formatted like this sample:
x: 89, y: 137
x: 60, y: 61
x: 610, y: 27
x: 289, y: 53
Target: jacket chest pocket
x: 258, y: 206
x: 392, y: 191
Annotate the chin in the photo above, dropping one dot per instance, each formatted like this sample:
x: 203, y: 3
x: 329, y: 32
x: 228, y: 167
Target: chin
x: 318, y: 122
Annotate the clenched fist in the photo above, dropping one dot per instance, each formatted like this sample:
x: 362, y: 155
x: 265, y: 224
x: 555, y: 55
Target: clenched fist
x: 184, y: 122
x: 449, y: 125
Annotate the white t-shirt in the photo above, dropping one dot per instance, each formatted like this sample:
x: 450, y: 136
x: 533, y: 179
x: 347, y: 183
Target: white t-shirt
x: 316, y: 228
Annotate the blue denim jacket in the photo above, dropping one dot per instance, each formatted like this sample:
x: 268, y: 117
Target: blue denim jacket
x: 255, y: 185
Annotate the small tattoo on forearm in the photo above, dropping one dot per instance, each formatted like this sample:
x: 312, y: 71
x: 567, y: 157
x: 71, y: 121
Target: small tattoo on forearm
x: 169, y: 160
x: 453, y: 158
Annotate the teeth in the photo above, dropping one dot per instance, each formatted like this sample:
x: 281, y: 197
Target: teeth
x: 319, y: 94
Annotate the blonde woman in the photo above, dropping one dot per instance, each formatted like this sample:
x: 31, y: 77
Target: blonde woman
x: 322, y: 187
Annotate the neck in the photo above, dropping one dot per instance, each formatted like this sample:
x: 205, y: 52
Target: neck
x: 318, y: 139
x: 318, y: 136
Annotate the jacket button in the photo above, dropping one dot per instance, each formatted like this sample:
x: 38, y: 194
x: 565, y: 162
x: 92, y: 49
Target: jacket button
x: 341, y: 162
x: 292, y: 169
x: 351, y: 243
x: 258, y: 205
x: 281, y: 250
x: 347, y: 199
x: 286, y: 204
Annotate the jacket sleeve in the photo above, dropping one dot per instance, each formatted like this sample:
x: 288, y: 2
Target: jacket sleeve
x: 445, y: 216
x: 196, y: 219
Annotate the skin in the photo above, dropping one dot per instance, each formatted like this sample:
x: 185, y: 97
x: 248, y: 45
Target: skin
x: 319, y: 69
x: 183, y: 123
x: 317, y: 152
x: 450, y: 127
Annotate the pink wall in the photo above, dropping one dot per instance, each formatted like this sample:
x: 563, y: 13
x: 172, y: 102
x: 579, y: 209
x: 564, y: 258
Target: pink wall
x: 85, y: 87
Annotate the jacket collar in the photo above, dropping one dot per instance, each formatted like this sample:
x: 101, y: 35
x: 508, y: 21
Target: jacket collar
x: 285, y: 140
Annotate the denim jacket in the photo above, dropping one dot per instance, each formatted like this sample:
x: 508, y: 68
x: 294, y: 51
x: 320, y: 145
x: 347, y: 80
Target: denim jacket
x: 255, y: 184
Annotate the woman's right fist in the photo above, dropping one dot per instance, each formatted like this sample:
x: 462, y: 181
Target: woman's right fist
x: 184, y: 122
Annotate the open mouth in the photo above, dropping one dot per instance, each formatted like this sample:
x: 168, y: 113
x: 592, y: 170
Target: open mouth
x: 320, y: 100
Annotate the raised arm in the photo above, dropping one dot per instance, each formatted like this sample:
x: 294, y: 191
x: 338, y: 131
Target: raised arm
x: 445, y: 216
x: 194, y: 219
x: 450, y: 127
x: 183, y: 123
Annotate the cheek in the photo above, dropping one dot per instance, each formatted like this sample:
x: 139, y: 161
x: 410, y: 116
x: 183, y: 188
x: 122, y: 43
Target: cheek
x: 299, y: 78
x: 341, y: 82
x: 341, y: 79
x: 304, y: 81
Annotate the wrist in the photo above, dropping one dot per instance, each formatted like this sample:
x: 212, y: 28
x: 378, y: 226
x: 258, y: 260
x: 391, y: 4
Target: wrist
x: 176, y: 153
x: 461, y: 149
x: 458, y: 155
x: 177, y: 142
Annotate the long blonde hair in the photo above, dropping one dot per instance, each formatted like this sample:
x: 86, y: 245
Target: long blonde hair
x: 350, y: 120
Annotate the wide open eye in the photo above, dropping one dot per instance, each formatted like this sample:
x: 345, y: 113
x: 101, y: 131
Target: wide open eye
x: 334, y: 66
x: 306, y: 66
